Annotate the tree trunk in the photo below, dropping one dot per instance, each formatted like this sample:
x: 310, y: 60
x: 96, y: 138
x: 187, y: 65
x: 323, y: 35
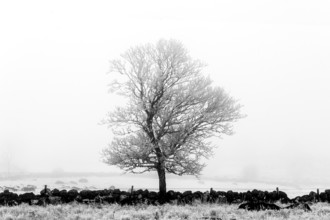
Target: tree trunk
x: 162, y: 180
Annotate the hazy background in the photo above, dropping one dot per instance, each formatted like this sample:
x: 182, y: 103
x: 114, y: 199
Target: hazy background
x: 273, y: 56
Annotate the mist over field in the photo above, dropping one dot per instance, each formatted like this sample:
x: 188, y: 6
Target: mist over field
x: 271, y: 56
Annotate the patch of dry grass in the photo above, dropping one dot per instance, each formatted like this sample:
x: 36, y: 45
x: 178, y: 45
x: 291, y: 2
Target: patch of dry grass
x: 321, y: 211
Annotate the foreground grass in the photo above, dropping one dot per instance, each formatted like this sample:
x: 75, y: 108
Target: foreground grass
x: 321, y: 211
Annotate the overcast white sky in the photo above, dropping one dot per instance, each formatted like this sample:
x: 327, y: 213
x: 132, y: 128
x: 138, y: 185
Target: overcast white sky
x: 274, y: 56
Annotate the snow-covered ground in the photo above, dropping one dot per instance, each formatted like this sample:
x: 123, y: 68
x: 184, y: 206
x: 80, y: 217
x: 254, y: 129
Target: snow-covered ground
x: 125, y: 182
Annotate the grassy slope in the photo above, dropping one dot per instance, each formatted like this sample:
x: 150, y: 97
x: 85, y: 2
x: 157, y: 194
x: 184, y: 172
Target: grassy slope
x: 321, y: 211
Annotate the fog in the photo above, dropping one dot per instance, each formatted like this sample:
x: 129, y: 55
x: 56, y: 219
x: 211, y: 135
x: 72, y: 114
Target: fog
x: 273, y: 56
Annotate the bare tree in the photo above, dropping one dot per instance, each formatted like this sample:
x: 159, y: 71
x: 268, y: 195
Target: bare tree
x: 172, y: 110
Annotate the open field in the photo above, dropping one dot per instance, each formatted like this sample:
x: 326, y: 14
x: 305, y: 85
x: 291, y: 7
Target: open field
x: 124, y: 182
x: 320, y: 211
x: 197, y: 210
